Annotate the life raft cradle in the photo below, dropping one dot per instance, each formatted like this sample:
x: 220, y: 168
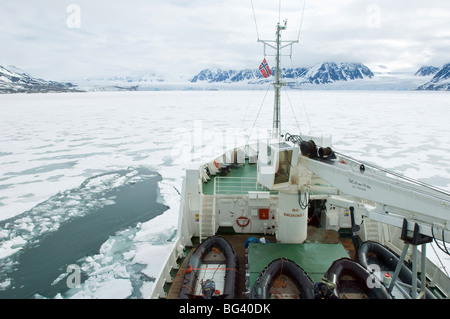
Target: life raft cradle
x: 412, y: 241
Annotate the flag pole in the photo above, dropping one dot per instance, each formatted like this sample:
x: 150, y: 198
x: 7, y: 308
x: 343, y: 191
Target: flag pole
x: 276, y: 130
x: 278, y: 84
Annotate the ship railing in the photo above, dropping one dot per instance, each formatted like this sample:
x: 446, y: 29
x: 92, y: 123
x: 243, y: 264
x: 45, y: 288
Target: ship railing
x: 236, y: 185
x: 181, y: 240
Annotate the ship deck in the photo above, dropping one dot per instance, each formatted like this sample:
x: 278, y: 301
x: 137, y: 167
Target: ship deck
x: 238, y: 180
x: 315, y: 256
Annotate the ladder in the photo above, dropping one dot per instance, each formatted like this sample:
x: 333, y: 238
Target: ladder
x: 372, y: 230
x: 207, y: 220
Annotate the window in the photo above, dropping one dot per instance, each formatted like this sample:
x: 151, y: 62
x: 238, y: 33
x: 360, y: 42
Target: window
x: 284, y: 166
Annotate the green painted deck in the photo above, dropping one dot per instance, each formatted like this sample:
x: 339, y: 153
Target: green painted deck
x: 246, y: 170
x: 240, y: 180
x: 314, y: 258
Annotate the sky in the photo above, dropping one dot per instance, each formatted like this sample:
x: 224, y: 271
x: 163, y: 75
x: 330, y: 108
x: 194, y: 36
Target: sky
x: 80, y: 39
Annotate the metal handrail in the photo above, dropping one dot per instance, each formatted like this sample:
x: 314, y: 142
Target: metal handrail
x: 236, y: 185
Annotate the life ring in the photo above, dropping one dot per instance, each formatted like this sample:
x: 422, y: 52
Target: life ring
x: 243, y: 221
x: 217, y: 165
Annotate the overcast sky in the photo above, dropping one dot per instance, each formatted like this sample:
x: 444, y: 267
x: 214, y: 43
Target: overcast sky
x: 77, y: 39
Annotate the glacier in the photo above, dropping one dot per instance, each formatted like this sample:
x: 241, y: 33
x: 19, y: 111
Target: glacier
x: 321, y: 76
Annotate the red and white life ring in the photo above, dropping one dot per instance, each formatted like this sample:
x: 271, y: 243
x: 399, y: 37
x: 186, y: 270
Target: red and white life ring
x: 243, y: 221
x: 217, y: 165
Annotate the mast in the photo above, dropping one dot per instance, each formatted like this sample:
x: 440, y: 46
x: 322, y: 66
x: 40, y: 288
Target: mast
x: 276, y: 131
x: 278, y: 84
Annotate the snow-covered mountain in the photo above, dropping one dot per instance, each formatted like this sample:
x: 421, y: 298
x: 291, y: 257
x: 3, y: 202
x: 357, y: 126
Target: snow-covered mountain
x: 440, y: 81
x: 329, y: 72
x: 322, y: 73
x: 226, y: 76
x: 15, y: 80
x: 426, y: 70
x: 323, y: 76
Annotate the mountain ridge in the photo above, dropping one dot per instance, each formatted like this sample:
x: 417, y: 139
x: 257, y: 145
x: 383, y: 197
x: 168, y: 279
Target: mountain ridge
x: 439, y: 82
x: 426, y: 70
x: 15, y: 80
x: 321, y: 73
x: 324, y: 75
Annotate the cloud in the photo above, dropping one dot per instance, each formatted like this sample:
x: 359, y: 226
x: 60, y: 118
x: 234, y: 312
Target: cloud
x: 181, y: 37
x: 398, y: 33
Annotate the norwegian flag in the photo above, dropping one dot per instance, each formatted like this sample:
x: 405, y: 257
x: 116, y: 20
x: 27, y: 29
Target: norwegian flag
x: 264, y: 69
